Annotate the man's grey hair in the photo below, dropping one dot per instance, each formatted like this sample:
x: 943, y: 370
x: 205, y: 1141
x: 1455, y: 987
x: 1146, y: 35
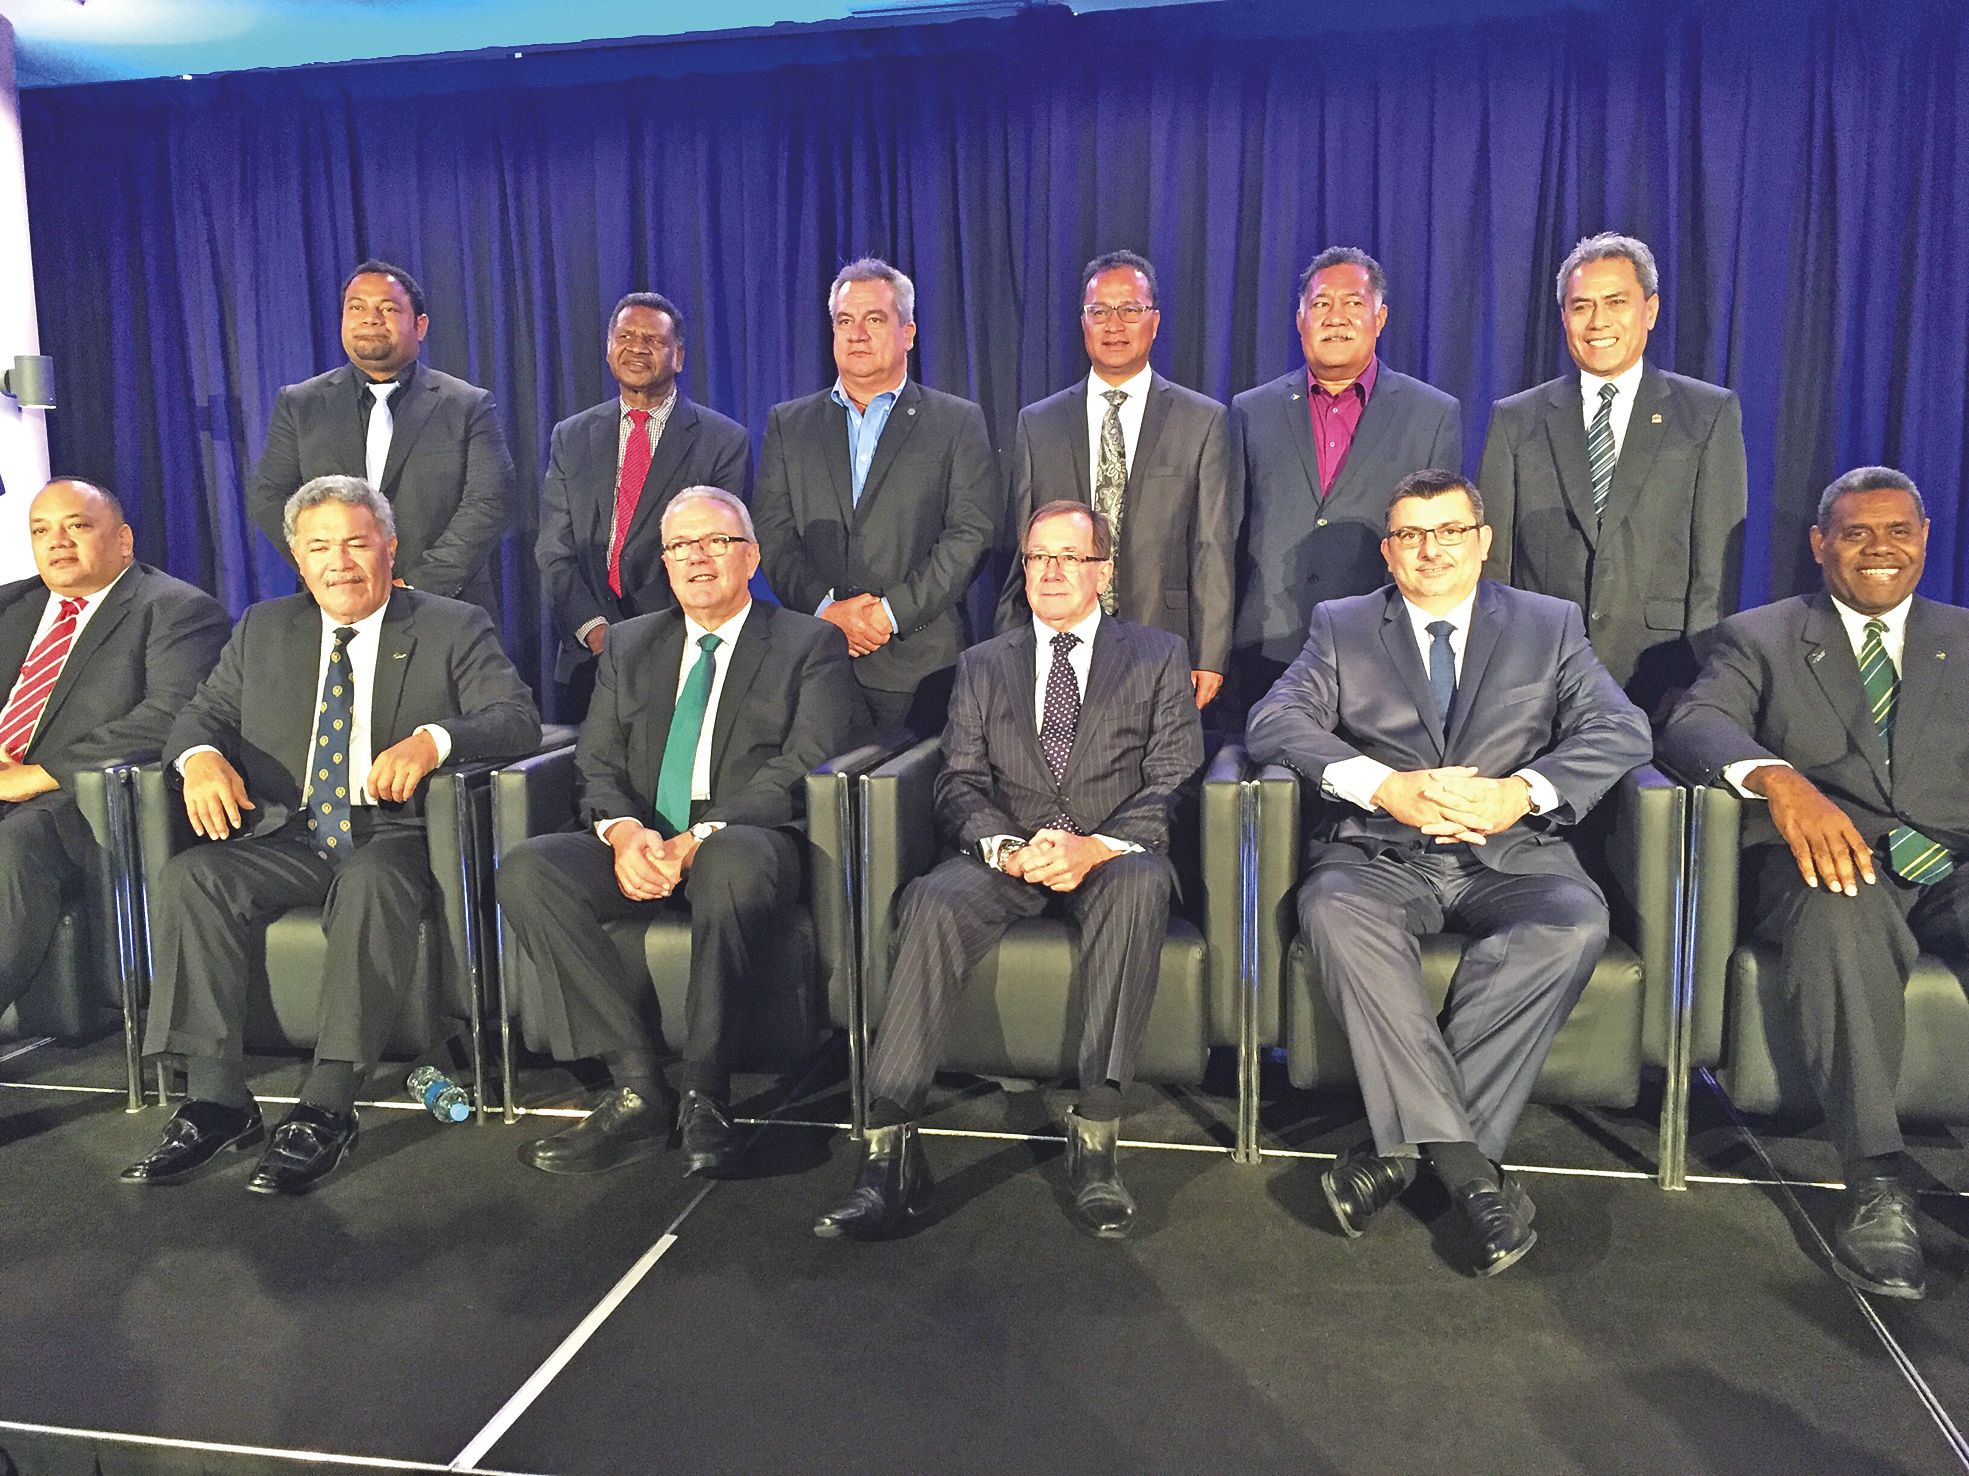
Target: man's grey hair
x: 874, y: 269
x: 717, y: 495
x: 351, y: 490
x: 1612, y: 246
x: 1333, y: 256
x: 1434, y: 482
x: 1867, y: 479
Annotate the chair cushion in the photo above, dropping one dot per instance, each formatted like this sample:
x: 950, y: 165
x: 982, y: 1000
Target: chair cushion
x: 284, y: 991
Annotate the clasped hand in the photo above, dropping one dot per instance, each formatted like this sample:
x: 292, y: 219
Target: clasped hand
x: 1057, y: 859
x: 648, y: 867
x: 863, y: 620
x: 1455, y: 803
x: 20, y: 781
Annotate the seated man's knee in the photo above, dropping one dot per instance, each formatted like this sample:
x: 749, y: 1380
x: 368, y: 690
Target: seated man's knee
x: 739, y: 864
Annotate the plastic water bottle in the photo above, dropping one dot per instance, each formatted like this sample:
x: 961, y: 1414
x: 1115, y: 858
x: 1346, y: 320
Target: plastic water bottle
x: 446, y: 1100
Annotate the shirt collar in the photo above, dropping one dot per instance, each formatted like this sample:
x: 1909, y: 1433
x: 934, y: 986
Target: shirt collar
x: 1044, y: 633
x: 841, y: 396
x: 622, y: 407
x: 727, y: 633
x: 1364, y: 386
x: 1895, y: 619
x: 369, y: 625
x: 1136, y: 387
x: 401, y: 379
x: 1626, y: 382
x: 1421, y: 619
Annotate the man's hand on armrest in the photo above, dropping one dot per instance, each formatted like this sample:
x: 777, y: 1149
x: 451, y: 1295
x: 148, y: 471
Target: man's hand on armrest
x: 215, y: 795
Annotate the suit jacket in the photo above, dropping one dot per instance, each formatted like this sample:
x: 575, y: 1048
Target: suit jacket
x: 1781, y: 682
x: 1178, y: 518
x: 1531, y: 694
x: 929, y: 510
x: 1138, y: 741
x: 1297, y: 549
x: 788, y: 705
x: 700, y: 448
x: 437, y: 661
x: 1662, y: 568
x: 448, y: 476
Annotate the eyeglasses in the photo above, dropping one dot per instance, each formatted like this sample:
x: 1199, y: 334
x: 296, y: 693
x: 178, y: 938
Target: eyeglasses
x: 716, y: 545
x: 1069, y: 562
x: 1448, y: 535
x: 1098, y: 313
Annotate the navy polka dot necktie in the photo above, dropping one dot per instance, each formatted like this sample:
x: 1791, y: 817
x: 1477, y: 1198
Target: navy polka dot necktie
x: 328, y: 770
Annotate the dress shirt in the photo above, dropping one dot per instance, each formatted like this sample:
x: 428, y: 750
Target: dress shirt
x: 1132, y: 410
x: 864, y: 435
x: 658, y: 419
x: 1626, y: 384
x: 1356, y: 779
x: 1335, y: 418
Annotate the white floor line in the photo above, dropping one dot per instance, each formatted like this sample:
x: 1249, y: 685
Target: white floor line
x: 262, y: 1452
x: 21, y: 1048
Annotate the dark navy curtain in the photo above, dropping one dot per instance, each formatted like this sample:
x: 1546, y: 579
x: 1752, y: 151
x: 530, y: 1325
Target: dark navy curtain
x: 1798, y: 166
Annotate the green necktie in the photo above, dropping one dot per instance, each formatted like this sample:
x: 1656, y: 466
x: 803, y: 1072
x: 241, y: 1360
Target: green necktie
x: 673, y: 779
x: 1913, y: 856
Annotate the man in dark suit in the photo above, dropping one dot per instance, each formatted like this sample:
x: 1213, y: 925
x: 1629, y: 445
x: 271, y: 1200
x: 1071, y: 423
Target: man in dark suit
x: 877, y: 499
x: 99, y: 653
x: 692, y: 761
x: 1317, y: 451
x: 1449, y: 728
x: 1843, y: 711
x: 303, y: 752
x: 1619, y: 486
x: 611, y: 473
x: 1151, y: 456
x: 428, y: 442
x: 1067, y: 742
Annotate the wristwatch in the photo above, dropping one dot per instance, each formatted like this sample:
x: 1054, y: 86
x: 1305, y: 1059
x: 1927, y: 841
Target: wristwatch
x: 705, y: 829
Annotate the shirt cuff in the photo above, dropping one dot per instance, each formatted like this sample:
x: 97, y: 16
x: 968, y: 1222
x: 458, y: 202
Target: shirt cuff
x: 602, y: 827
x: 439, y: 737
x: 1355, y: 780
x: 179, y: 762
x: 581, y: 630
x: 1544, y: 798
x: 1119, y: 847
x: 1734, y: 774
x: 825, y: 600
x: 890, y: 611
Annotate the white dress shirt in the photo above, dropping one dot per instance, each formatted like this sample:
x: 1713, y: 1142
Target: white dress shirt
x: 1626, y: 385
x: 1132, y: 410
x: 50, y: 613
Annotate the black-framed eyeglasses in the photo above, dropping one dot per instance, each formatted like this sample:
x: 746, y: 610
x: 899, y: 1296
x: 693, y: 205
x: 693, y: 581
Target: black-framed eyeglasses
x: 716, y: 545
x: 1069, y: 562
x: 1448, y: 535
x: 1098, y: 313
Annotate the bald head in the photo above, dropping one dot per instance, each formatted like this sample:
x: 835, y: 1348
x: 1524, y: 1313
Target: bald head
x: 80, y: 538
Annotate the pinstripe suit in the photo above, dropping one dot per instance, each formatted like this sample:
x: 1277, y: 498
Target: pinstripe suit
x: 1138, y: 741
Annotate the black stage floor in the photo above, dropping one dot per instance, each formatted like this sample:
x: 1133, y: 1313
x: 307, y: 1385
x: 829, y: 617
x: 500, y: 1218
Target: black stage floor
x: 437, y: 1306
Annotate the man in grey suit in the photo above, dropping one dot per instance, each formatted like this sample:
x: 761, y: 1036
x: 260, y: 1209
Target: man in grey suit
x: 1316, y: 451
x: 1448, y: 730
x: 429, y: 443
x: 1067, y: 742
x: 611, y: 472
x: 876, y: 501
x: 1152, y: 457
x: 98, y: 653
x: 1620, y: 486
x: 303, y: 754
x: 1843, y: 710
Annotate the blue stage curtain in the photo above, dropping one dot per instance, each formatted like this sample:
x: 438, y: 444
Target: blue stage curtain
x: 1797, y: 165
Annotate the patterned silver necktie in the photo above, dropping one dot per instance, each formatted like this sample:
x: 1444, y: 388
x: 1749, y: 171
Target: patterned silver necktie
x: 1111, y: 478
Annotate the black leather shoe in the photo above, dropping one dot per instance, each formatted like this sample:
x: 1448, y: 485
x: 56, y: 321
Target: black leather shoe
x: 1501, y: 1232
x: 624, y: 1127
x: 1361, y: 1182
x: 711, y: 1144
x: 1875, y: 1245
x: 196, y: 1134
x: 892, y: 1187
x: 306, y: 1147
x: 1102, y: 1205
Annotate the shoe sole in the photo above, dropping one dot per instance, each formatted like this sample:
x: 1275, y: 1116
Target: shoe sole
x: 239, y: 1144
x: 1874, y: 1288
x: 1499, y: 1267
x: 1347, y: 1227
x: 654, y: 1147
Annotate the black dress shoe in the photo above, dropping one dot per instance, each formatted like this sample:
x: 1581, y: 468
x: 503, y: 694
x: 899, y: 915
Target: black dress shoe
x: 624, y: 1127
x: 1102, y: 1206
x: 892, y: 1187
x: 1875, y: 1245
x: 711, y: 1144
x: 1361, y: 1182
x: 196, y: 1134
x: 305, y: 1148
x: 1502, y: 1233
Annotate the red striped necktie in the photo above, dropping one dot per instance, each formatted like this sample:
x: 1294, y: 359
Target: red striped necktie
x: 37, y: 679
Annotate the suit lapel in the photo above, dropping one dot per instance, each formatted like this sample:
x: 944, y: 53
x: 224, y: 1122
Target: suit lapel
x: 1647, y: 428
x: 747, y: 655
x: 602, y: 435
x: 411, y: 409
x: 1377, y: 422
x: 394, y: 643
x: 1479, y: 642
x: 1398, y: 639
x: 1924, y: 665
x: 116, y: 605
x: 1021, y: 677
x: 1107, y: 664
x: 1299, y: 424
x: 665, y: 673
x: 901, y: 421
x: 1565, y: 431
x: 1830, y: 659
x: 1070, y: 433
x: 17, y: 626
x: 297, y: 670
x: 670, y: 454
x: 1155, y: 414
x: 344, y: 422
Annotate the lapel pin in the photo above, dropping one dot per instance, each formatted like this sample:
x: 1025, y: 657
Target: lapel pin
x: 1816, y: 657
x: 1657, y: 418
x: 912, y: 410
x: 399, y: 655
x: 1941, y: 655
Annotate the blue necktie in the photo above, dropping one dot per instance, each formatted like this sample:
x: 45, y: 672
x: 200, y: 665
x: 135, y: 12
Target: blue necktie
x: 1442, y: 669
x: 328, y: 788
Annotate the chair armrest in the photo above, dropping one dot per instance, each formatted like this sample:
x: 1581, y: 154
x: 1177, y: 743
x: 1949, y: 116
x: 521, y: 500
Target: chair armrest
x: 1279, y: 862
x: 833, y: 859
x: 1714, y: 879
x: 1644, y: 866
x: 898, y: 844
x: 1221, y: 903
x: 532, y: 796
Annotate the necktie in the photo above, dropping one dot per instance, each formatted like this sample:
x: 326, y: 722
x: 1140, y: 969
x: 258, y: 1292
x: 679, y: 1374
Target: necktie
x: 39, y: 673
x: 1061, y: 719
x: 628, y: 491
x: 328, y: 788
x: 1599, y: 450
x: 1913, y: 856
x: 1111, y: 477
x: 673, y: 778
x: 1442, y: 669
x: 376, y: 452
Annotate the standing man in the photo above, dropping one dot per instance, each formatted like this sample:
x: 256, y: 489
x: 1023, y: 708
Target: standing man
x: 1450, y: 729
x: 98, y: 652
x: 1069, y: 737
x: 611, y: 473
x: 1153, y: 458
x: 301, y: 758
x: 429, y: 443
x: 1317, y: 450
x: 877, y: 499
x: 1621, y: 487
x: 693, y: 764
x: 1843, y: 710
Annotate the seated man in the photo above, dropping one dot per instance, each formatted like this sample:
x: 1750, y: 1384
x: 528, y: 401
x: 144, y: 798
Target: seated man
x: 1068, y: 739
x: 303, y: 753
x: 1451, y: 726
x: 693, y: 761
x: 1840, y: 709
x: 99, y: 653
